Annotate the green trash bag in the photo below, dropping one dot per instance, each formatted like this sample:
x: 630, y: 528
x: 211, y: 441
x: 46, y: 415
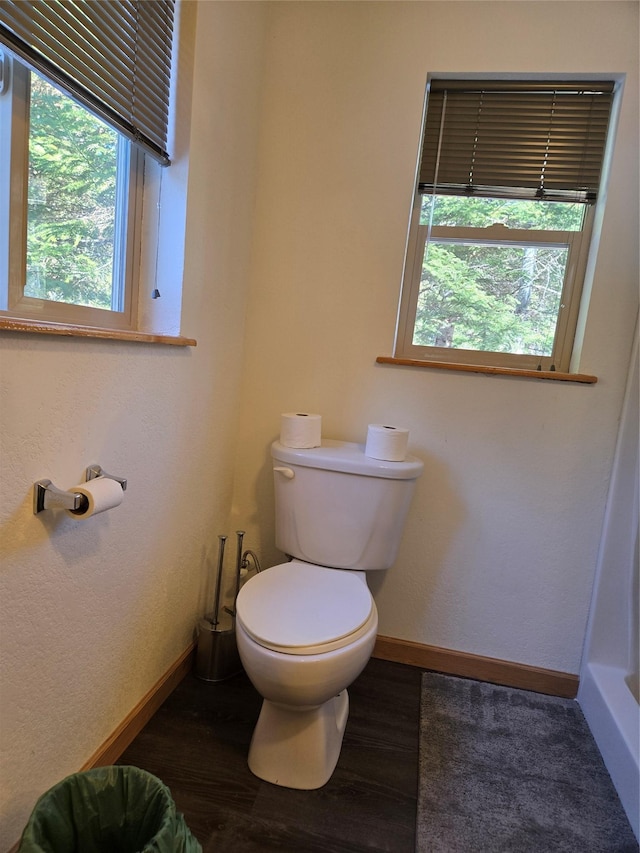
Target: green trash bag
x: 108, y: 810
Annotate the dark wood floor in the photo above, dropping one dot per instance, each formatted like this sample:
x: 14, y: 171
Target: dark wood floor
x: 197, y: 744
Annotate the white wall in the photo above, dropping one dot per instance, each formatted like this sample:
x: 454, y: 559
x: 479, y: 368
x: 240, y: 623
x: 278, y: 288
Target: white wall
x: 500, y: 549
x: 93, y: 613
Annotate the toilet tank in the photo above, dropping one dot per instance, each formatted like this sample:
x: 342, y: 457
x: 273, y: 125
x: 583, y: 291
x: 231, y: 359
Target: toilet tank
x: 337, y: 507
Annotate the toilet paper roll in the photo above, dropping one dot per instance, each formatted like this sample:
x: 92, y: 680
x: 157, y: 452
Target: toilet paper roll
x: 102, y: 493
x: 300, y: 429
x: 388, y: 443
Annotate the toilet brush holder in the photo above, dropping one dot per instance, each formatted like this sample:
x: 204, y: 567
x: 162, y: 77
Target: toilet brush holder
x: 217, y: 655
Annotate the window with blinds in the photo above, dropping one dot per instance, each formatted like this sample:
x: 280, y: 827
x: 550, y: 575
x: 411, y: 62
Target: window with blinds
x: 84, y: 99
x: 113, y: 57
x: 507, y: 181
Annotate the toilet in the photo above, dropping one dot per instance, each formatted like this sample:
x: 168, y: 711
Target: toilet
x: 306, y: 628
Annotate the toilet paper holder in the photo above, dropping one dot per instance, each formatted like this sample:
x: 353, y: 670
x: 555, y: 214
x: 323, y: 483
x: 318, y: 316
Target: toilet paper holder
x: 94, y: 471
x: 48, y: 496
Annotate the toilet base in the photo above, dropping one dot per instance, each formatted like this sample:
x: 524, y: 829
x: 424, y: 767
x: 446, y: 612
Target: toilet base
x: 298, y: 747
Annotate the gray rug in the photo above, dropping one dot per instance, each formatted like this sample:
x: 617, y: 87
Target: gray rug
x: 510, y: 771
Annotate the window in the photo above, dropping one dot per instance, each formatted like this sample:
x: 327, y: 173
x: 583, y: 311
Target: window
x: 79, y: 112
x: 499, y: 240
x: 70, y: 205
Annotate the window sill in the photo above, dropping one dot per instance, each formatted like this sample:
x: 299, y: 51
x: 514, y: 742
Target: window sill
x: 69, y: 330
x: 554, y: 375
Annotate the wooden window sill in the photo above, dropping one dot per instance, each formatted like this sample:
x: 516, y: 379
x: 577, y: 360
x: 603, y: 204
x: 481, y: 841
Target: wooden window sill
x: 554, y: 375
x: 70, y: 330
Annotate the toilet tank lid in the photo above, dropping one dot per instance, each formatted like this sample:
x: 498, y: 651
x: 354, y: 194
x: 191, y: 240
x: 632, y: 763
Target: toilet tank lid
x: 348, y: 457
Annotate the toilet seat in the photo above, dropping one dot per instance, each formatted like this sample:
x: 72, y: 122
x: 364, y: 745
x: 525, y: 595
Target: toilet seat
x: 300, y: 608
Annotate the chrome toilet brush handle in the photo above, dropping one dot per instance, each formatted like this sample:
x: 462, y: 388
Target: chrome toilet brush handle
x: 216, y: 600
x: 240, y: 537
x: 239, y: 566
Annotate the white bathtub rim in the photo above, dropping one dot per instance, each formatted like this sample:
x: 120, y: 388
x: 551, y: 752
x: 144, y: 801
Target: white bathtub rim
x: 612, y: 713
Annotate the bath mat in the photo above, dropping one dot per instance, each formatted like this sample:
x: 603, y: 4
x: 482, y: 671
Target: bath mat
x: 511, y: 771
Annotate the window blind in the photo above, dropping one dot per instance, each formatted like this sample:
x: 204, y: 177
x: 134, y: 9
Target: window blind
x: 112, y: 56
x: 515, y: 139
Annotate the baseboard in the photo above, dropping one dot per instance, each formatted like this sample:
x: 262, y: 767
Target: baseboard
x: 137, y: 719
x: 481, y: 668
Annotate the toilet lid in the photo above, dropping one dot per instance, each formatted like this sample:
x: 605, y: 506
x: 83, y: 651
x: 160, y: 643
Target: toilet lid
x: 297, y: 607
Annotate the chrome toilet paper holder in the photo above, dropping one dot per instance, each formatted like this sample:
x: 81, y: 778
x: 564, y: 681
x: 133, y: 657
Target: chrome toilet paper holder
x: 48, y: 496
x: 94, y: 471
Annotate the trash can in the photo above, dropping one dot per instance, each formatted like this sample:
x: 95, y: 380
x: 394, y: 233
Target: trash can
x: 108, y: 810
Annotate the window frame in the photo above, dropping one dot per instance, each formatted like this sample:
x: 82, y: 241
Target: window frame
x: 14, y: 157
x: 577, y: 242
x: 582, y: 247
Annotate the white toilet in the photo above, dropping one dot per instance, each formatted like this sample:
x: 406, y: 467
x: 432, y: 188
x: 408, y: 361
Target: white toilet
x: 306, y: 628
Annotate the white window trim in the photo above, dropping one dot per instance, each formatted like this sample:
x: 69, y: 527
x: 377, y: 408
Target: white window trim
x: 578, y: 243
x: 15, y: 304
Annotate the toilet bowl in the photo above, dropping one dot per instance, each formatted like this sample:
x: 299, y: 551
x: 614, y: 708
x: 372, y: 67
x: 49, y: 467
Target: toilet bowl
x: 306, y: 628
x: 304, y: 633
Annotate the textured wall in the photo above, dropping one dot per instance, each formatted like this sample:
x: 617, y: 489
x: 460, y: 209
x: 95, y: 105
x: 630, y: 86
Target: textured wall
x: 500, y: 548
x: 93, y: 613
